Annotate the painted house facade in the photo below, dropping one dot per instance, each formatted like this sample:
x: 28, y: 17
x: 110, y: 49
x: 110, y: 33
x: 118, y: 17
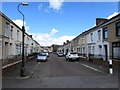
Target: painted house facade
x: 11, y: 41
x: 111, y: 34
x: 100, y: 42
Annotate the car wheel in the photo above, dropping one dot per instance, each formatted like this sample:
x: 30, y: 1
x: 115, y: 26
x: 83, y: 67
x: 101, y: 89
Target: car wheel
x: 69, y: 59
x: 66, y: 59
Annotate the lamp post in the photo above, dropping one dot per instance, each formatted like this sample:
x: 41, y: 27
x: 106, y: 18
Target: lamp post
x: 22, y: 71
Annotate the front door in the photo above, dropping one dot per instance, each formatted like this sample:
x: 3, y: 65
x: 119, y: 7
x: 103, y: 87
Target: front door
x: 106, y: 52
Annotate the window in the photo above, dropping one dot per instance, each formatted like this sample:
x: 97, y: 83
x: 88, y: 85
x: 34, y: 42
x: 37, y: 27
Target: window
x: 11, y: 48
x: 116, y: 50
x: 118, y: 29
x: 105, y: 33
x: 82, y: 39
x: 6, y: 29
x: 11, y: 32
x: 17, y: 49
x: 93, y: 49
x: 83, y: 50
x: 99, y: 34
x: 0, y: 43
x: 28, y: 39
x: 17, y: 35
x: 91, y: 36
x: 89, y: 49
x: 100, y: 49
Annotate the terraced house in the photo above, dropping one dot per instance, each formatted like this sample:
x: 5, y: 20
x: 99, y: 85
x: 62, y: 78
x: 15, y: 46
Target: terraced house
x: 100, y: 43
x: 11, y: 42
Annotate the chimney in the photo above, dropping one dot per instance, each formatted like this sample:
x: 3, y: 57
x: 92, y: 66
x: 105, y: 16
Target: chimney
x: 67, y: 41
x: 30, y: 36
x: 100, y: 20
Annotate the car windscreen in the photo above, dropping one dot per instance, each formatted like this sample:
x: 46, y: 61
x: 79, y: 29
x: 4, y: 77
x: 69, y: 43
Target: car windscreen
x: 73, y: 53
x: 42, y: 54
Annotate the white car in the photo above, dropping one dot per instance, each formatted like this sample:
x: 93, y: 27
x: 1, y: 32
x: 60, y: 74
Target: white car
x: 72, y: 56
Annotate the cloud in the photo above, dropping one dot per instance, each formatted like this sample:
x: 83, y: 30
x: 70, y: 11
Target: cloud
x: 53, y: 32
x: 40, y: 6
x: 47, y: 39
x: 55, y: 4
x: 46, y: 11
x: 110, y: 16
x: 20, y: 24
x: 114, y: 14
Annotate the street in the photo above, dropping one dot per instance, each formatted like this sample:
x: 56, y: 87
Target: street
x: 59, y: 73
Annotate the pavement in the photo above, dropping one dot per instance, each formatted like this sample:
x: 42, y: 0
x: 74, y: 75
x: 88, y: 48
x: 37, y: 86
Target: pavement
x: 97, y: 67
x: 29, y: 70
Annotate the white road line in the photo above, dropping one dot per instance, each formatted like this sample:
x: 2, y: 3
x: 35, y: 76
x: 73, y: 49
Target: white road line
x: 93, y: 68
x: 39, y: 62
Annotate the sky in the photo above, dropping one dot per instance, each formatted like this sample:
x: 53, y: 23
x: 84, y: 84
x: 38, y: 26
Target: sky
x: 55, y: 22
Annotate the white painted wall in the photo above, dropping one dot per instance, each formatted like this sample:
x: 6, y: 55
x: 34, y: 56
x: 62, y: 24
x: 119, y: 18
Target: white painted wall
x: 0, y: 48
x: 96, y: 42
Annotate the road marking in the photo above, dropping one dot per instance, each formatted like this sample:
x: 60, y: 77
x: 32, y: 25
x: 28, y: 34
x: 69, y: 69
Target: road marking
x: 39, y: 62
x: 93, y: 68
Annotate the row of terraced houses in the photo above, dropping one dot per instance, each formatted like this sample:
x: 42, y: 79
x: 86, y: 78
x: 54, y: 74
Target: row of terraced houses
x: 102, y: 42
x: 11, y: 42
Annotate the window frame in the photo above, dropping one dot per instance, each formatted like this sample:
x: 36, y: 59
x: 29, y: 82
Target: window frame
x: 104, y: 33
x: 11, y: 31
x: 115, y: 43
x: 91, y: 36
x: 117, y: 27
x: 0, y: 43
x: 6, y: 29
x: 18, y: 35
x: 99, y: 35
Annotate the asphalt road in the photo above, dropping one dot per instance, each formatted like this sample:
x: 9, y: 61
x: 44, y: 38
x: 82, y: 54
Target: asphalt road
x: 59, y: 73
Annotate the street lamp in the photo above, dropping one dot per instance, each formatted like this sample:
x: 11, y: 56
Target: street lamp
x: 22, y: 71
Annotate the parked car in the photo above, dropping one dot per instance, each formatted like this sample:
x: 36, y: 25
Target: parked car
x: 60, y: 54
x: 42, y: 57
x: 47, y: 54
x: 72, y: 56
x: 65, y: 53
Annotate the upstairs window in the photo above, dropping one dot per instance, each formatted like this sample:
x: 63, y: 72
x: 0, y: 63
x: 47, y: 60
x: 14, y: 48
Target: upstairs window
x: 99, y: 34
x: 91, y: 36
x: 118, y: 29
x: 105, y: 33
x: 11, y: 32
x: 6, y: 29
x: 17, y: 35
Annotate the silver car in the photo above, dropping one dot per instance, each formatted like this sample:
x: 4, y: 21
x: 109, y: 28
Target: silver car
x: 42, y: 57
x: 60, y: 54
